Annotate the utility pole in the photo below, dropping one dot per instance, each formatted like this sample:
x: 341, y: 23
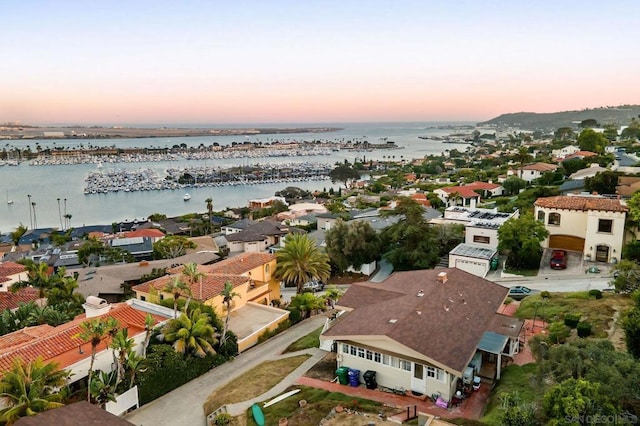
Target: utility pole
x: 30, y: 215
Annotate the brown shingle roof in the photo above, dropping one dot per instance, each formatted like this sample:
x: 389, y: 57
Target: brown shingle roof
x: 540, y: 167
x: 581, y: 203
x: 80, y: 413
x: 445, y: 324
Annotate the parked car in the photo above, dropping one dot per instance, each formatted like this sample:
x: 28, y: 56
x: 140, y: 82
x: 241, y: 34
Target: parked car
x: 558, y: 259
x: 519, y: 292
x: 313, y: 285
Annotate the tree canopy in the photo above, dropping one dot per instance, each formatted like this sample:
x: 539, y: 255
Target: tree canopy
x: 344, y: 173
x: 352, y: 243
x: 590, y: 140
x: 300, y: 260
x: 520, y: 238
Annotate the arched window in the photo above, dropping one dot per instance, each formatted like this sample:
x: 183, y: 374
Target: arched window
x: 266, y: 268
x: 554, y: 219
x: 541, y: 216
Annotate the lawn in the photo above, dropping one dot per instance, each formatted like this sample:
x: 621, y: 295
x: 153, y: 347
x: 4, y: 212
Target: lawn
x: 598, y: 312
x: 311, y: 340
x: 319, y: 404
x: 522, y: 272
x: 514, y: 378
x: 253, y: 383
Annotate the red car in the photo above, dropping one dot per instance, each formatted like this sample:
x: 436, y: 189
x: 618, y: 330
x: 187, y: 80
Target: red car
x: 558, y: 259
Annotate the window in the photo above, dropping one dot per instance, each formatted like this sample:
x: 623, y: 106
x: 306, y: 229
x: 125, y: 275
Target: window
x: 435, y: 373
x: 360, y: 353
x: 143, y: 298
x: 395, y: 362
x: 162, y: 297
x: 376, y: 357
x: 440, y: 375
x: 266, y: 268
x: 405, y: 365
x: 541, y: 216
x: 386, y: 359
x: 345, y: 348
x: 481, y: 239
x: 431, y: 372
x: 352, y: 350
x: 369, y: 355
x: 554, y: 219
x: 605, y: 225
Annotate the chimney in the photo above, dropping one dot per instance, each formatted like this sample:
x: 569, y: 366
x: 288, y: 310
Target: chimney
x: 442, y: 277
x: 95, y: 306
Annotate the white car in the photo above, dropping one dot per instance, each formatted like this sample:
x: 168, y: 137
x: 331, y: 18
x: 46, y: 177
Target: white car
x: 313, y: 285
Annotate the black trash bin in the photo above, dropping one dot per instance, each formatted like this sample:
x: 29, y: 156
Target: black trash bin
x: 369, y: 377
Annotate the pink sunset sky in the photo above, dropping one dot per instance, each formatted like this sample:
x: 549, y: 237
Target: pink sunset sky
x: 73, y: 62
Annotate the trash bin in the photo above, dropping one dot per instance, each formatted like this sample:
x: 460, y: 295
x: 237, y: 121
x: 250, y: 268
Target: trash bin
x: 343, y: 375
x: 369, y: 378
x: 494, y: 263
x: 354, y: 378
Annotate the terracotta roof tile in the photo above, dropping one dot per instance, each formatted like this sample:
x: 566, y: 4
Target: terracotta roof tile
x: 240, y: 264
x: 149, y: 232
x: 483, y: 185
x: 24, y: 335
x: 10, y: 300
x: 212, y: 285
x: 540, y: 167
x: 464, y: 191
x: 60, y: 344
x: 581, y: 203
x: 10, y: 268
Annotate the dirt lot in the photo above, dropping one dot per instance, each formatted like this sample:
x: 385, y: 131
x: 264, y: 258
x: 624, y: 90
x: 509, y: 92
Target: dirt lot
x: 325, y: 369
x: 356, y: 420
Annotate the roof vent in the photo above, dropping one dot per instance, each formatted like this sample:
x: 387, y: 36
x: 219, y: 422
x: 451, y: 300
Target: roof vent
x: 393, y: 320
x: 442, y: 277
x: 420, y: 293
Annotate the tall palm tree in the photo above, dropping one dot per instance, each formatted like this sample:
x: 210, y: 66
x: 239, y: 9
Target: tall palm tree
x: 190, y: 270
x: 92, y: 331
x: 35, y: 221
x: 18, y: 233
x: 209, y: 202
x: 60, y: 214
x: 38, y: 277
x: 177, y: 287
x: 191, y: 333
x: 30, y: 388
x: 300, y: 261
x: 102, y: 388
x: 227, y: 298
x: 123, y: 344
x: 148, y: 328
x: 134, y: 364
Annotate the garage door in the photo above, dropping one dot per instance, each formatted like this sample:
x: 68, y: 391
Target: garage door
x: 566, y: 242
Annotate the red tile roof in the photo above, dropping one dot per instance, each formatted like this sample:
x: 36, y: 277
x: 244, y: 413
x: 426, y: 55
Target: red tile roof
x: 486, y: 186
x: 62, y: 347
x: 540, y: 167
x: 10, y: 300
x: 24, y: 335
x: 212, y: 285
x: 10, y: 268
x: 581, y: 203
x: 463, y: 191
x: 150, y: 232
x: 240, y: 264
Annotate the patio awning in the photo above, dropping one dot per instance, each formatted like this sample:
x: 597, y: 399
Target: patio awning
x: 492, y: 342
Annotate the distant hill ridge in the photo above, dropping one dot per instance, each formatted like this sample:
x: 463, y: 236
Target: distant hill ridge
x: 618, y: 115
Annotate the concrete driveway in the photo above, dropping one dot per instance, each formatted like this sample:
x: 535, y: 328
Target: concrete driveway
x: 575, y: 265
x: 183, y: 406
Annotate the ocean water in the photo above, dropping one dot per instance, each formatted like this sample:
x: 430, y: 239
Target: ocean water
x: 47, y: 184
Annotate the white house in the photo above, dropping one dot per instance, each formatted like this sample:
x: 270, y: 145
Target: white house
x: 564, y: 151
x: 401, y: 329
x: 593, y: 225
x: 533, y: 171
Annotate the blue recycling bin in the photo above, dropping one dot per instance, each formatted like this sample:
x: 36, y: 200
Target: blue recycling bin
x: 354, y: 378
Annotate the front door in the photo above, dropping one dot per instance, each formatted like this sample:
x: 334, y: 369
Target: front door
x: 418, y: 381
x: 602, y: 253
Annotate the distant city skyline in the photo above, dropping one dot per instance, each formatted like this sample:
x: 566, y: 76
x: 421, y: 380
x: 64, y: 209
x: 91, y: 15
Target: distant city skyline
x: 72, y: 62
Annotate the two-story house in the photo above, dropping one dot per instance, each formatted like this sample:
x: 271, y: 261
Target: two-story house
x: 254, y: 282
x: 530, y: 172
x: 593, y: 225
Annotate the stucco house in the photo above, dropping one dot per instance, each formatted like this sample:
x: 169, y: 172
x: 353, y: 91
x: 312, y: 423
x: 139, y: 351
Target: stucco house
x: 530, y: 172
x: 422, y: 330
x: 458, y: 196
x: 258, y: 237
x: 252, y: 277
x: 593, y: 225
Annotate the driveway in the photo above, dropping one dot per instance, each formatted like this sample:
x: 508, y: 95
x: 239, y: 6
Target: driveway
x: 574, y: 265
x: 183, y: 406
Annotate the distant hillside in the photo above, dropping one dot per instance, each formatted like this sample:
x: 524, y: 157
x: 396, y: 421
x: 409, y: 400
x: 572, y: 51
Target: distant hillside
x: 620, y: 115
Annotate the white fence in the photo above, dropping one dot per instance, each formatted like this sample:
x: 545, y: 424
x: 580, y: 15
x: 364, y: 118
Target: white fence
x: 123, y: 402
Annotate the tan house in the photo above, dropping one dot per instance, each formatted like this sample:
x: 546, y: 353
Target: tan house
x: 427, y: 331
x: 593, y: 225
x: 253, y: 280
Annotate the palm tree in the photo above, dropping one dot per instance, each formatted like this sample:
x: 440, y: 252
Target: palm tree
x: 38, y: 277
x: 306, y: 303
x: 124, y: 344
x: 148, y: 327
x: 60, y: 214
x: 227, y: 298
x: 300, y: 261
x: 333, y: 294
x: 18, y: 233
x: 191, y: 333
x: 177, y: 287
x: 30, y: 388
x: 209, y: 202
x: 134, y: 362
x: 522, y: 156
x: 35, y: 221
x: 93, y: 332
x: 190, y: 270
x: 102, y: 388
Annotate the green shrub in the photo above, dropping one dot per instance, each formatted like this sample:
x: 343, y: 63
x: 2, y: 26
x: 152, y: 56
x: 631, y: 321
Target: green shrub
x: 295, y: 316
x: 165, y: 370
x: 572, y: 320
x: 584, y: 329
x: 222, y: 419
x: 545, y: 294
x: 595, y: 293
x: 558, y: 332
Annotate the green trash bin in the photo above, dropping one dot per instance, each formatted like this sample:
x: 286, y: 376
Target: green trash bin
x: 343, y: 375
x: 494, y: 263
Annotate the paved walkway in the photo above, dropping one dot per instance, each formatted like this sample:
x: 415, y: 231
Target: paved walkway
x: 183, y: 406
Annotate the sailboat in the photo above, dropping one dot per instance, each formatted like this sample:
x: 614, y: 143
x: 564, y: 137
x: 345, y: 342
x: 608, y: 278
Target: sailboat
x: 186, y: 197
x: 8, y: 200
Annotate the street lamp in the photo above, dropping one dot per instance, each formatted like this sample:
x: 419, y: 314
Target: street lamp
x: 30, y: 215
